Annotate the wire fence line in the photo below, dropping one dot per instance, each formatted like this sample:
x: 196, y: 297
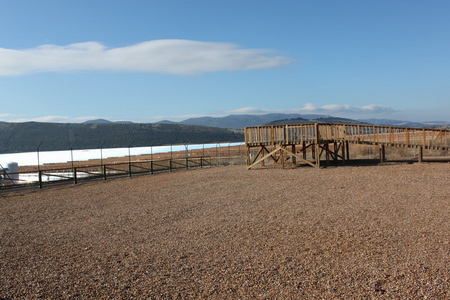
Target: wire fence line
x: 70, y: 172
x: 75, y: 175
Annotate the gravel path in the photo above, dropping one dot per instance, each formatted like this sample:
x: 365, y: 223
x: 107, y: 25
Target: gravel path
x: 227, y: 233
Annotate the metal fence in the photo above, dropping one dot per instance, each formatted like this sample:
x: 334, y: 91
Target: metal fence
x: 74, y: 175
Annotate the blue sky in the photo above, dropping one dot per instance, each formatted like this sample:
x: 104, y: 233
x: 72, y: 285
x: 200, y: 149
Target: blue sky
x: 144, y: 61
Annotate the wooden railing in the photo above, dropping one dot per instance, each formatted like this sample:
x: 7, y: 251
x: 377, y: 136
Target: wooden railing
x: 399, y: 136
x: 286, y: 134
x: 368, y: 134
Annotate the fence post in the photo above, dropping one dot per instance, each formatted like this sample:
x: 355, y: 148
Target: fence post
x: 170, y: 165
x: 104, y: 172
x: 151, y: 167
x: 75, y: 176
x: 40, y: 178
x: 201, y: 162
x: 187, y: 163
x: 129, y: 169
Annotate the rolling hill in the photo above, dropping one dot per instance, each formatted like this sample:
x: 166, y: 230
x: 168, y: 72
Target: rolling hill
x: 24, y: 137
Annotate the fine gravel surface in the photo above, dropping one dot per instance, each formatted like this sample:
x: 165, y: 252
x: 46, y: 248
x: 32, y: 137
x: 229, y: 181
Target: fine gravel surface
x: 367, y: 232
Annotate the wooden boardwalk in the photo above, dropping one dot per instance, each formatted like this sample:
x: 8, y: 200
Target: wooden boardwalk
x: 331, y: 141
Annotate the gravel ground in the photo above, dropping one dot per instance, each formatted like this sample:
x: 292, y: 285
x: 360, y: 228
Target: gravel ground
x: 228, y: 233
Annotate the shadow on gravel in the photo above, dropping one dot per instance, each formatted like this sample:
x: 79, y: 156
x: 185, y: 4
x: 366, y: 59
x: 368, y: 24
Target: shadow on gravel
x: 376, y: 162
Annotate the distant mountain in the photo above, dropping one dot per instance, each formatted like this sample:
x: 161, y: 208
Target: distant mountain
x: 322, y: 120
x: 241, y: 121
x: 166, y: 122
x: 97, y: 121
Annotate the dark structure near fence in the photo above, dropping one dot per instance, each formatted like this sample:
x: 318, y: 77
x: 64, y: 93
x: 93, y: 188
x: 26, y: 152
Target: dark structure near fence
x: 284, y: 143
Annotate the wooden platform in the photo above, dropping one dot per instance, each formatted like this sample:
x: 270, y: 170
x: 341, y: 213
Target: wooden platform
x: 284, y: 143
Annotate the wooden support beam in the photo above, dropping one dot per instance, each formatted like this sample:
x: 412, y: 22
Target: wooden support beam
x: 300, y: 158
x: 247, y: 152
x: 336, y: 147
x: 293, y: 151
x: 382, y: 154
x: 273, y: 157
x: 317, y: 155
x: 420, y: 154
x: 304, y: 151
x: 262, y: 154
x: 347, y: 152
x: 263, y: 158
x: 257, y: 155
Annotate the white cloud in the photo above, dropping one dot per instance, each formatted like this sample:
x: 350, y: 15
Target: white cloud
x: 248, y: 111
x: 6, y: 116
x: 158, y: 56
x: 47, y: 119
x: 309, y: 108
x: 345, y: 109
x: 63, y: 119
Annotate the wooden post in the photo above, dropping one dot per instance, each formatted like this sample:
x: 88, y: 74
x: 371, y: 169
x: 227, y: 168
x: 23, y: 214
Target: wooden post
x: 424, y: 138
x: 317, y: 152
x: 391, y: 137
x: 104, y: 172
x: 151, y: 167
x: 304, y: 149
x: 407, y: 137
x: 336, y: 151
x: 420, y: 154
x: 294, y: 159
x: 343, y: 152
x: 313, y: 152
x: 347, y: 151
x: 262, y: 155
x: 247, y: 153
x: 129, y: 169
x: 382, y: 154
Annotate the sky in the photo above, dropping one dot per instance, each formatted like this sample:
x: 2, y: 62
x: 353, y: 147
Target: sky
x: 152, y: 60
